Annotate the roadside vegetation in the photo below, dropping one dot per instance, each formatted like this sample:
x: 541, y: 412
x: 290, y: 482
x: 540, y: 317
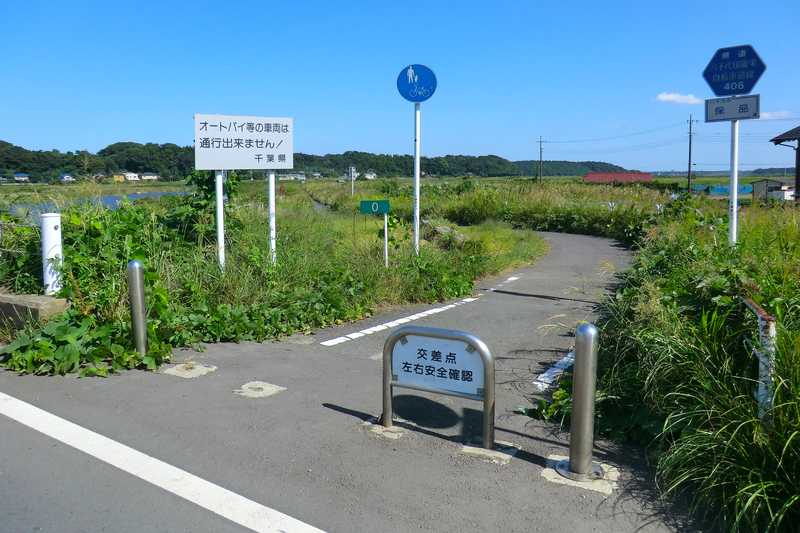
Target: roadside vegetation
x: 677, y: 374
x: 329, y: 270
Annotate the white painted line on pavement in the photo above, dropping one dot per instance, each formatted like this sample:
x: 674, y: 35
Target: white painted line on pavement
x: 214, y: 498
x: 396, y: 322
x: 546, y: 379
x: 333, y: 342
x: 512, y: 278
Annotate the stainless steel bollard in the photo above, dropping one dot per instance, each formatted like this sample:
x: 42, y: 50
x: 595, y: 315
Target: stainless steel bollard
x: 584, y: 384
x: 138, y: 310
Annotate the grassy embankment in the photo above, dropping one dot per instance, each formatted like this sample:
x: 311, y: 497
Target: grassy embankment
x: 329, y: 270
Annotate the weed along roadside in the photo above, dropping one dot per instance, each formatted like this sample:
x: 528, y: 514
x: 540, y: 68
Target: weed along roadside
x: 325, y: 274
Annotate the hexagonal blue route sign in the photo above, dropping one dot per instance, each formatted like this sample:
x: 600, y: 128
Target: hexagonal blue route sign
x: 734, y: 70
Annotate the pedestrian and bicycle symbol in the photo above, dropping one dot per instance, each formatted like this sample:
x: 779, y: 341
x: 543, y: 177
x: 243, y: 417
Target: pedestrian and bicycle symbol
x: 416, y: 83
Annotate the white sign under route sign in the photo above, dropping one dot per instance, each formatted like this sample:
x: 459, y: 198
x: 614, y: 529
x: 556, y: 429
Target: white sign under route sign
x: 733, y: 108
x: 443, y: 364
x: 235, y: 142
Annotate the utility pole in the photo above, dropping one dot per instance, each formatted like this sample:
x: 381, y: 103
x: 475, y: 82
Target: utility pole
x: 539, y: 176
x: 689, y: 170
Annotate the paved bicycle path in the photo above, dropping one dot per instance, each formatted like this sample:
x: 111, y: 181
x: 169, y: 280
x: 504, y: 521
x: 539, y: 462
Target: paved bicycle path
x: 306, y: 451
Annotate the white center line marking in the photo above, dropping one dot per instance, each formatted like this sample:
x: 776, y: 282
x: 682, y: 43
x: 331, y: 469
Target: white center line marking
x: 397, y: 322
x: 216, y: 499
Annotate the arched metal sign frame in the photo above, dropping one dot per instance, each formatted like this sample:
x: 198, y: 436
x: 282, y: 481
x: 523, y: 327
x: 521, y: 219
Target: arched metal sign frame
x: 473, y: 342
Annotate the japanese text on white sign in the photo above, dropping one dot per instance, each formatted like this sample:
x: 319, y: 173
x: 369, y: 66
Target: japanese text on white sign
x: 446, y: 365
x: 229, y: 142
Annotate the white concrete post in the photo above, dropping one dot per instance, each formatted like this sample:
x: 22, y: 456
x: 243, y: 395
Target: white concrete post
x: 219, y: 177
x: 51, y: 252
x: 272, y: 229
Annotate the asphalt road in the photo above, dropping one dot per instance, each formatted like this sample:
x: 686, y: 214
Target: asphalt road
x: 306, y: 452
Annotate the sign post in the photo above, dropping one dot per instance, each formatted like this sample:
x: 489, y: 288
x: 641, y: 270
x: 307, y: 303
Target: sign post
x: 377, y: 207
x: 733, y: 71
x: 233, y: 142
x: 219, y: 178
x: 416, y: 83
x: 442, y: 361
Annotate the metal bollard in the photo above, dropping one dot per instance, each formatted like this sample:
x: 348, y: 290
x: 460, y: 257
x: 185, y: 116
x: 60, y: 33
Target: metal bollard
x: 138, y: 311
x: 580, y: 467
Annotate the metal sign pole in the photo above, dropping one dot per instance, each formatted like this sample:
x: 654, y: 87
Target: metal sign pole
x: 417, y: 116
x: 386, y: 240
x: 219, y: 176
x: 733, y: 193
x: 272, y: 229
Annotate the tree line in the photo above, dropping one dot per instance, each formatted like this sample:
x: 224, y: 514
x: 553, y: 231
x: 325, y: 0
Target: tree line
x: 171, y: 161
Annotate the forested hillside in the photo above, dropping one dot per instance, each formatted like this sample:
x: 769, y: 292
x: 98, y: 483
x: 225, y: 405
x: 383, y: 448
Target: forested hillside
x: 175, y: 162
x: 565, y: 168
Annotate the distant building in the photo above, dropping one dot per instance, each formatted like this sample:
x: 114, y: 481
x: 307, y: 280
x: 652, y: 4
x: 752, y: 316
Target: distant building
x: 66, y: 178
x: 21, y: 177
x: 3, y: 179
x: 370, y: 175
x: 294, y: 176
x: 150, y: 176
x: 99, y: 176
x: 316, y: 175
x: 618, y: 177
x: 118, y: 177
x: 131, y: 176
x: 773, y: 189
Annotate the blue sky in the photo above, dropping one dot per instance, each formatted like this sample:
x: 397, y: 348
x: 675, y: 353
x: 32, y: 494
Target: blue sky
x: 81, y: 75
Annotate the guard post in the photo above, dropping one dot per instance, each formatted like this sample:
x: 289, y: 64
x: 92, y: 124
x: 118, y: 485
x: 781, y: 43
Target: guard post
x: 441, y: 361
x: 138, y: 309
x: 580, y: 467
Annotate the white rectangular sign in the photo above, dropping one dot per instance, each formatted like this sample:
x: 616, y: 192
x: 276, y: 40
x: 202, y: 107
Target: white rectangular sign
x: 447, y: 365
x: 733, y: 108
x: 231, y: 142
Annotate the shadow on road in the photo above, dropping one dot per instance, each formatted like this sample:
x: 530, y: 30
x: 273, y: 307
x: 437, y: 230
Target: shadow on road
x: 471, y: 423
x: 542, y: 296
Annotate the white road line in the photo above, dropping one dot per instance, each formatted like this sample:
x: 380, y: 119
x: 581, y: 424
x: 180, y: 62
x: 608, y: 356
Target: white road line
x: 396, y: 322
x: 216, y: 499
x: 546, y: 379
x: 334, y: 342
x: 513, y: 278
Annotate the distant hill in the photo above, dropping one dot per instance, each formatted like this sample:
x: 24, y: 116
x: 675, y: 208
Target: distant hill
x: 565, y: 168
x: 175, y: 162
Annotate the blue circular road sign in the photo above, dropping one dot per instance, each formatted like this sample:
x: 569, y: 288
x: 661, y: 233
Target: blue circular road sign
x: 416, y: 83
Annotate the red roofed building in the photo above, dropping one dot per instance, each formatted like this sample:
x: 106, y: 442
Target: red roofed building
x: 618, y: 177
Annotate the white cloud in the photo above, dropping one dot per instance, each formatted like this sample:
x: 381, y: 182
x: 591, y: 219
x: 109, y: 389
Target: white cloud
x: 775, y: 115
x: 678, y: 98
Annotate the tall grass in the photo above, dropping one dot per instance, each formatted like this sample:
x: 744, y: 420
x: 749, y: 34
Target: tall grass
x: 678, y: 374
x: 329, y: 270
x: 604, y: 210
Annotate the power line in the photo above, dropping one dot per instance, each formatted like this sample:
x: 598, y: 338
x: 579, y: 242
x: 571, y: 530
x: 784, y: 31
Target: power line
x: 614, y: 137
x: 647, y: 146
